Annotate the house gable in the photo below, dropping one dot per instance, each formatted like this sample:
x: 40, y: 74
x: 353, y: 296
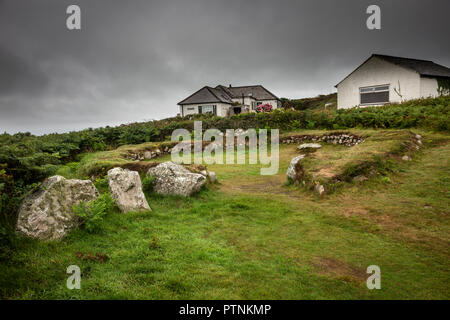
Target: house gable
x: 424, y: 68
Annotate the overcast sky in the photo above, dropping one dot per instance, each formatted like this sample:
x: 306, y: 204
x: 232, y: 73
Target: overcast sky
x: 135, y: 60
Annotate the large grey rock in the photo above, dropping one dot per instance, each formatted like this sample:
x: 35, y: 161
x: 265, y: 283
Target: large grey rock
x: 47, y: 213
x: 174, y: 179
x: 126, y: 188
x: 295, y: 170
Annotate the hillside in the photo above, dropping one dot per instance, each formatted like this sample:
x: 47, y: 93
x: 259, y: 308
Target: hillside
x: 253, y: 236
x: 316, y: 103
x: 248, y: 236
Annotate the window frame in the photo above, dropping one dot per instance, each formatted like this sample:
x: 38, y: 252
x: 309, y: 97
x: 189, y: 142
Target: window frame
x: 374, y: 90
x: 202, y: 111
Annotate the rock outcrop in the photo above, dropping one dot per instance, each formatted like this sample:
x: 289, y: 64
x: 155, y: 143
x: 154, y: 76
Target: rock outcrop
x: 174, y: 179
x: 295, y: 170
x: 126, y: 189
x: 47, y: 213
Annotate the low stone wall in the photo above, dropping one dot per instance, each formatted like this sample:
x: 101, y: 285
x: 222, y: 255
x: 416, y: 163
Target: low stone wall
x: 342, y: 138
x: 155, y: 152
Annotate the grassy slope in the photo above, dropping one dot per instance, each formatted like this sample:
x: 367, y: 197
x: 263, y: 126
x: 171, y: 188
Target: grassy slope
x: 251, y: 237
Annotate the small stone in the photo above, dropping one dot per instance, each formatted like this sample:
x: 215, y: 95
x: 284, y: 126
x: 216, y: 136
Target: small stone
x: 320, y: 189
x: 212, y: 176
x: 406, y: 158
x: 204, y: 173
x: 360, y: 178
x: 309, y: 147
x: 418, y: 137
x: 147, y: 155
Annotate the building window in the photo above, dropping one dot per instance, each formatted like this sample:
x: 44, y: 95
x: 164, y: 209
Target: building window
x: 205, y: 109
x: 190, y: 109
x: 374, y: 94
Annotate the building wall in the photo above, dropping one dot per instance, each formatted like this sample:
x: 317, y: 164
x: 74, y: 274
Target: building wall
x: 428, y: 87
x: 222, y: 108
x: 274, y: 103
x: 379, y: 72
x: 249, y: 102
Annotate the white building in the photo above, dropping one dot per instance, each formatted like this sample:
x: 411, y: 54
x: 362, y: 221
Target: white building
x: 385, y: 79
x: 225, y: 101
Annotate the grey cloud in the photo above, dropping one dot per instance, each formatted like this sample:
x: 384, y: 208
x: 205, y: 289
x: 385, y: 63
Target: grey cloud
x: 134, y: 60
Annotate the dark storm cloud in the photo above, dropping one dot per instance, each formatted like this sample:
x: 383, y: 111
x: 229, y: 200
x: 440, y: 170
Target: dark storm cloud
x: 134, y: 60
x: 19, y: 76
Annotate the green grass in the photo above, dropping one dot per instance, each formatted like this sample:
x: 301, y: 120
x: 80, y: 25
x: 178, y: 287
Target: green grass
x: 252, y: 237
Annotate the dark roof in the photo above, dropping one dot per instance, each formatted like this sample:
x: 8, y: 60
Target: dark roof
x: 207, y: 95
x: 257, y: 91
x: 425, y: 68
x: 226, y: 94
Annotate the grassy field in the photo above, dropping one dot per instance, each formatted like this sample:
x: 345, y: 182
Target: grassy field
x: 254, y: 237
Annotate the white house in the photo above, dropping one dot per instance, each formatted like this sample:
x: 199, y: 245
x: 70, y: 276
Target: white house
x: 225, y: 101
x: 385, y: 79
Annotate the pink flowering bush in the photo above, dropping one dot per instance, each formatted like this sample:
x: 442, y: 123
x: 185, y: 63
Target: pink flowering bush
x: 264, y: 108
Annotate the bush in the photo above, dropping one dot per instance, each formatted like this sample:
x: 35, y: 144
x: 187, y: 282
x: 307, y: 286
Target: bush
x: 92, y: 213
x: 102, y: 184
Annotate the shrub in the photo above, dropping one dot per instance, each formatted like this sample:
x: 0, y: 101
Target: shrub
x: 92, y: 213
x: 102, y: 184
x: 264, y: 108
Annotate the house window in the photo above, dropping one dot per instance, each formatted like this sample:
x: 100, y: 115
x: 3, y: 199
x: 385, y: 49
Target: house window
x: 374, y: 94
x: 190, y: 109
x: 205, y: 109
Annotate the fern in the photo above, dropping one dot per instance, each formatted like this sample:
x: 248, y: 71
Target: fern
x: 92, y: 213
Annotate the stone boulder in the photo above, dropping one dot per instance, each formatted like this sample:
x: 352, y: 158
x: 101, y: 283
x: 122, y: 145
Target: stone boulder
x: 295, y: 170
x: 47, y: 213
x: 126, y: 189
x: 174, y: 179
x: 309, y: 147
